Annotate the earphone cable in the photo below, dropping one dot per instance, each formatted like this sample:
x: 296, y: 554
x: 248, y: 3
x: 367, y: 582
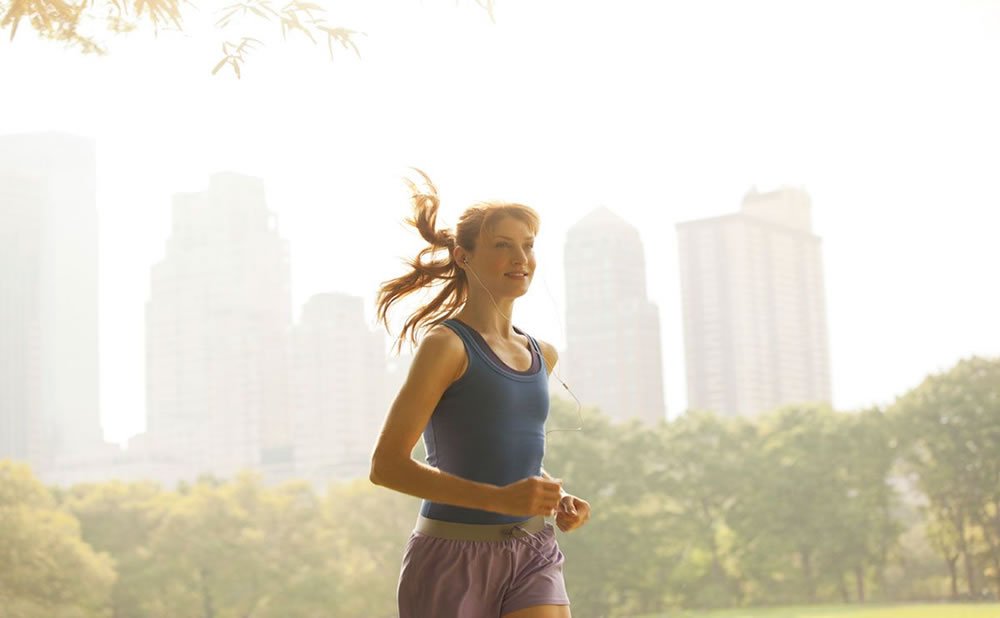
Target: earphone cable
x: 579, y: 406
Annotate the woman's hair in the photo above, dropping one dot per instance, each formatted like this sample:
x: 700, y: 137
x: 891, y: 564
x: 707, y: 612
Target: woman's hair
x: 442, y: 269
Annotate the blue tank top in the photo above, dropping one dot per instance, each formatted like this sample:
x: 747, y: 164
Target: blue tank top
x: 489, y: 425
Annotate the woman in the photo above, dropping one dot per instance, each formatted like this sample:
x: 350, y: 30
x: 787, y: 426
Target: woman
x: 477, y: 391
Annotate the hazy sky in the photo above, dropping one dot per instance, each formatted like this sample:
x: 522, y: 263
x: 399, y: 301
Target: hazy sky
x: 885, y: 112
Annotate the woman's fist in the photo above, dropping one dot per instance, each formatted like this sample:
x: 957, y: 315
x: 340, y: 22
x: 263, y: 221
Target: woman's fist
x: 573, y: 513
x: 528, y: 497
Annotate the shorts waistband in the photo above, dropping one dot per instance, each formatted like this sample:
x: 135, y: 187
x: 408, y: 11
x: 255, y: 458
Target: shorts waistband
x: 478, y: 532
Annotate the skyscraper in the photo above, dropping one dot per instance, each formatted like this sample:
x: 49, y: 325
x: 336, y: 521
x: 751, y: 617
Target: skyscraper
x: 612, y: 330
x: 217, y: 326
x: 338, y: 389
x: 755, y: 334
x: 49, y: 380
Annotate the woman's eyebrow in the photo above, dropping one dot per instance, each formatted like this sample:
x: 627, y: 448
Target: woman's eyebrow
x: 529, y: 238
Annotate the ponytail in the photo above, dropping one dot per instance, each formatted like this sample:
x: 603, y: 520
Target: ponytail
x: 426, y: 273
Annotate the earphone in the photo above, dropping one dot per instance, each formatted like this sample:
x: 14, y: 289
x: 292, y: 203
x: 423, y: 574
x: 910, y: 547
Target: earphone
x: 579, y: 406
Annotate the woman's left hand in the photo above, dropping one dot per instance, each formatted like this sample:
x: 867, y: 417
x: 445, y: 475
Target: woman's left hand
x: 572, y: 513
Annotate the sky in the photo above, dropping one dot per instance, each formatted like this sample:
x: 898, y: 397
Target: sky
x: 884, y: 112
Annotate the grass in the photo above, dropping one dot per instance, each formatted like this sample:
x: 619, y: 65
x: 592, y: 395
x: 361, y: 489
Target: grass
x: 940, y: 610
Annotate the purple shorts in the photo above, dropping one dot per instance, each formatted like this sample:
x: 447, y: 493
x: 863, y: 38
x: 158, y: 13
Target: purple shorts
x: 447, y: 578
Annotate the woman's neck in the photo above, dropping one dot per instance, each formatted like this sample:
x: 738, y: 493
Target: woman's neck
x: 480, y: 314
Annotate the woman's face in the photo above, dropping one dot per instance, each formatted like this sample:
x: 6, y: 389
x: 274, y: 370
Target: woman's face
x: 505, y: 258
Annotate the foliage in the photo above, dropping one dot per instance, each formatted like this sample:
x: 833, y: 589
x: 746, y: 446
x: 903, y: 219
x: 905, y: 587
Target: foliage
x: 85, y: 25
x: 802, y: 505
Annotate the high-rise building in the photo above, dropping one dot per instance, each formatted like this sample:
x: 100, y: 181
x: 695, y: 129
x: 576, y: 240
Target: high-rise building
x: 612, y: 329
x: 49, y: 375
x: 338, y: 386
x: 755, y: 334
x: 217, y: 327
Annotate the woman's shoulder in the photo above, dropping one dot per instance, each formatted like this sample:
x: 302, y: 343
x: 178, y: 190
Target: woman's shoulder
x: 442, y: 335
x: 442, y: 352
x: 549, y: 352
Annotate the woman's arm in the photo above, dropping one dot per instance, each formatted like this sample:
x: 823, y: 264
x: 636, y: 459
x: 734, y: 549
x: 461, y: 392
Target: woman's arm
x: 436, y: 364
x: 439, y: 361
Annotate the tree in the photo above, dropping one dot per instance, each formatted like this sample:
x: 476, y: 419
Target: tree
x: 791, y: 523
x: 365, y: 530
x: 119, y: 519
x: 702, y: 463
x: 950, y: 425
x: 592, y: 468
x: 867, y: 509
x: 46, y: 569
x: 206, y: 558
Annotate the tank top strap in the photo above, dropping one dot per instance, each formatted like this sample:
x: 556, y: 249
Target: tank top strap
x: 474, y: 349
x: 538, y: 350
x: 462, y: 331
x: 534, y: 343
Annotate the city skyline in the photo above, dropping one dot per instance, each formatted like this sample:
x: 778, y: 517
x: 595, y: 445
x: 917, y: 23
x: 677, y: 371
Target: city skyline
x: 300, y: 308
x: 893, y: 137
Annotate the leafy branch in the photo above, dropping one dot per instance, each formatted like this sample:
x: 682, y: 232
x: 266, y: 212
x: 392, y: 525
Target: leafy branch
x: 65, y: 20
x: 68, y: 20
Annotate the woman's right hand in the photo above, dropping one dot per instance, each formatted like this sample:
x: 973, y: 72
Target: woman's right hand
x: 528, y: 497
